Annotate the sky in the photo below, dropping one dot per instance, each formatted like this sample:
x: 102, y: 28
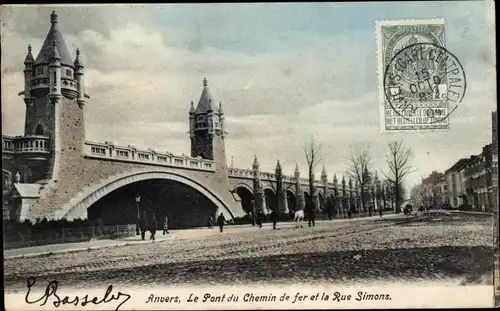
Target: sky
x: 284, y: 73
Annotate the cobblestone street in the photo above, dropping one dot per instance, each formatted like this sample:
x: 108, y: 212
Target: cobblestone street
x: 432, y: 247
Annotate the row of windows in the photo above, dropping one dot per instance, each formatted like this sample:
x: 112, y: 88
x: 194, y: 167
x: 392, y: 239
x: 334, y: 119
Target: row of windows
x: 41, y: 71
x: 98, y: 150
x: 143, y: 156
x: 122, y: 153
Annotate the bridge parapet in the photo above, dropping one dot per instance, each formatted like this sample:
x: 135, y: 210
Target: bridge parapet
x: 110, y: 151
x: 245, y: 173
x: 25, y: 144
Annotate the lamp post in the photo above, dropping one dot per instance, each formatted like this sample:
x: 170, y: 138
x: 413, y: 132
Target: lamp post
x: 138, y: 201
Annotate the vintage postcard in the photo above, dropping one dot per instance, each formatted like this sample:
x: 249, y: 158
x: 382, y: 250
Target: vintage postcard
x: 249, y: 156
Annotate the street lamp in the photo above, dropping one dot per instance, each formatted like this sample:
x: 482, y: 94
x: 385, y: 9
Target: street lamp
x: 138, y: 201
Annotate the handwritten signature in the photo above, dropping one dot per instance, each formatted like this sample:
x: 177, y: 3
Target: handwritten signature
x: 51, y: 290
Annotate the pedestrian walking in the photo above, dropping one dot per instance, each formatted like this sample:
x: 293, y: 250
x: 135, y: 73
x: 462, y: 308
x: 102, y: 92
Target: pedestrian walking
x: 152, y: 229
x: 144, y: 225
x: 380, y: 212
x: 349, y: 213
x: 274, y: 218
x: 311, y: 215
x: 260, y: 219
x: 165, y: 226
x: 210, y: 222
x: 221, y: 220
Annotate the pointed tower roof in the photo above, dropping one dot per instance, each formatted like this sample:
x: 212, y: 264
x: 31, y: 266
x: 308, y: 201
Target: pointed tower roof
x: 191, y: 110
x: 55, y: 52
x: 255, y: 161
x: 335, y: 178
x: 278, y: 165
x: 29, y: 57
x: 206, y: 102
x: 78, y: 62
x: 220, y: 108
x: 323, y: 172
x: 297, y: 168
x: 46, y: 50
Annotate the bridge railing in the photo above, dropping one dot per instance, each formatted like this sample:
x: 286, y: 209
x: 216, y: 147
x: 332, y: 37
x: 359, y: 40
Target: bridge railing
x: 26, y: 144
x: 245, y: 173
x: 108, y: 150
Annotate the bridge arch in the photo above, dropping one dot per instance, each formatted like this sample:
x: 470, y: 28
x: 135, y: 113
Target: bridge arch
x: 271, y: 199
x: 291, y: 200
x: 77, y: 207
x: 245, y: 192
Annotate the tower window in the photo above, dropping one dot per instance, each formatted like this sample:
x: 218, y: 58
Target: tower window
x: 39, y: 130
x: 39, y: 71
x: 55, y: 78
x: 69, y: 73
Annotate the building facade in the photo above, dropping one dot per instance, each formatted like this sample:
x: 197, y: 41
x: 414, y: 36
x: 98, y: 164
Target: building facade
x: 454, y: 181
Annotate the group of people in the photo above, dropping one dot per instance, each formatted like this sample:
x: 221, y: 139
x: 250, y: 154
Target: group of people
x: 151, y: 225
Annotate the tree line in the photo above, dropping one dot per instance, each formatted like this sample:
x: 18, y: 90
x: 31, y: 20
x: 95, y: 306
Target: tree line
x: 390, y: 188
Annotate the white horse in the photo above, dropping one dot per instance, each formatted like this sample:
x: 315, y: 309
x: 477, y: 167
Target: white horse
x: 298, y: 218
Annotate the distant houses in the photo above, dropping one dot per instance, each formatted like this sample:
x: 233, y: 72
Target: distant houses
x: 469, y: 184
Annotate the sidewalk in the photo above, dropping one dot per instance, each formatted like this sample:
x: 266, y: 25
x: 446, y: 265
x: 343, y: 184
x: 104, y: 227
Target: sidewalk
x: 45, y: 250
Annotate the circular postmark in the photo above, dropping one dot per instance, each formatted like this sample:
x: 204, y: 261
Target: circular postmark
x: 424, y: 81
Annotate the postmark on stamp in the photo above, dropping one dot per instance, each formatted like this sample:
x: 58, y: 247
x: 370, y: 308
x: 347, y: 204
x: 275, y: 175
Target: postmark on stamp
x: 420, y: 82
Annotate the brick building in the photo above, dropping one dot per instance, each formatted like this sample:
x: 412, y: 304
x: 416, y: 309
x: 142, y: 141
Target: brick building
x: 478, y: 179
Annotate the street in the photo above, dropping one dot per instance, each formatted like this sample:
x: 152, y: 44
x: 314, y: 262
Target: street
x: 455, y: 248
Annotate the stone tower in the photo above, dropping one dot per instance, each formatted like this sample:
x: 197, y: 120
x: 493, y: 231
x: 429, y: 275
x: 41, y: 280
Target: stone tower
x: 54, y: 97
x: 207, y: 130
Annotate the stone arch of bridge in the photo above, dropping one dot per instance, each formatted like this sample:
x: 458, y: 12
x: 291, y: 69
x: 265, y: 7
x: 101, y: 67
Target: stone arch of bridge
x: 245, y: 192
x: 321, y: 200
x: 271, y: 198
x: 77, y: 208
x: 291, y: 199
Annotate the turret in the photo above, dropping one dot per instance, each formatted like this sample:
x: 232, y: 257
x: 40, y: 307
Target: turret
x: 343, y: 186
x: 28, y: 75
x: 192, y: 121
x: 335, y: 184
x: 278, y: 168
x: 221, y: 121
x: 324, y: 176
x: 297, y: 171
x: 55, y: 73
x: 79, y: 79
x: 255, y: 165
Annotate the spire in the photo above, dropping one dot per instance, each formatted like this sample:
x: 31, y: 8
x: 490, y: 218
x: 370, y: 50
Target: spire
x: 323, y: 172
x: 54, y: 34
x: 278, y: 166
x: 191, y: 111
x: 29, y: 57
x: 297, y: 169
x: 255, y: 161
x: 335, y: 178
x: 17, y: 177
x: 220, y: 108
x: 77, y: 62
x: 55, y: 52
x: 206, y: 102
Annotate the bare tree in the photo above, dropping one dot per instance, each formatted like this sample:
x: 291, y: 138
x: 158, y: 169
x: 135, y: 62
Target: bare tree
x: 398, y: 160
x: 358, y: 170
x: 312, y: 152
x: 278, y: 186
